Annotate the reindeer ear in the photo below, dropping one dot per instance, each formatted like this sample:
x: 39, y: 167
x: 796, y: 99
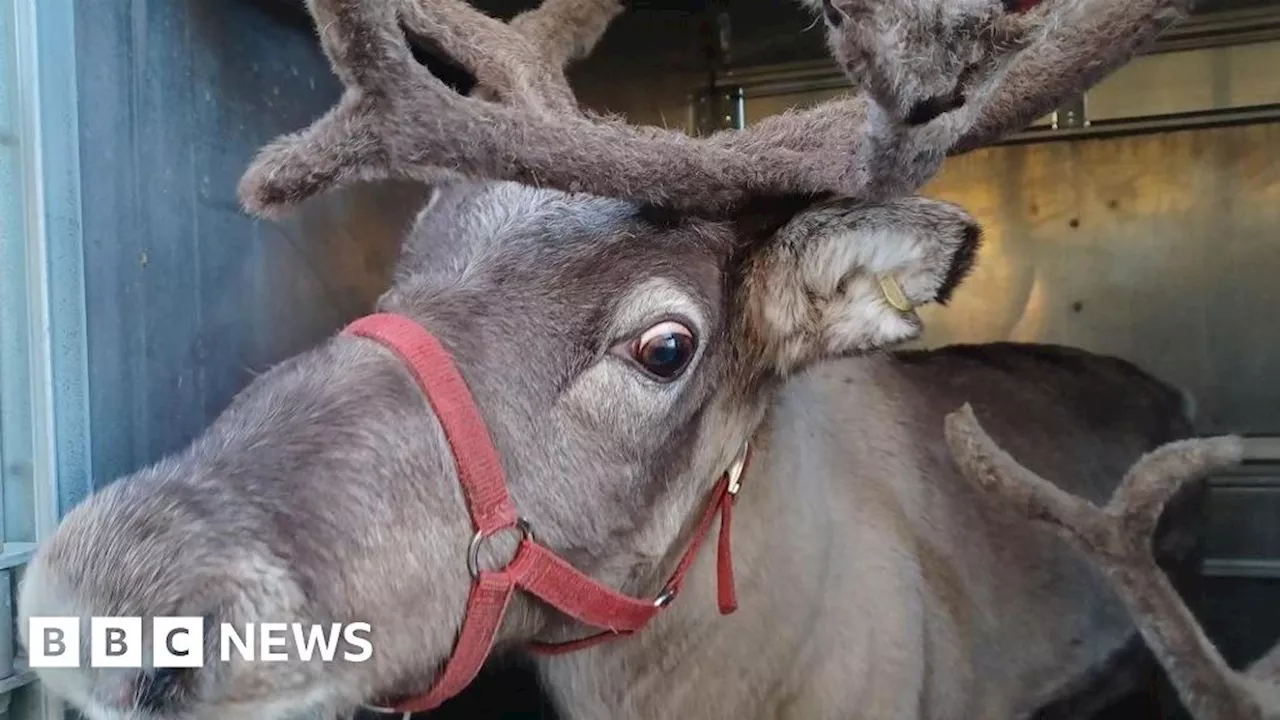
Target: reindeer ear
x: 845, y: 277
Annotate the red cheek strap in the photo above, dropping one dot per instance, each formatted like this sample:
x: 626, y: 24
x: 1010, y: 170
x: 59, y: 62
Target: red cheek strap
x: 535, y: 568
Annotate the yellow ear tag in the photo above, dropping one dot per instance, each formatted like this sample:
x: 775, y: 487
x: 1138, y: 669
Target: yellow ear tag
x: 893, y: 294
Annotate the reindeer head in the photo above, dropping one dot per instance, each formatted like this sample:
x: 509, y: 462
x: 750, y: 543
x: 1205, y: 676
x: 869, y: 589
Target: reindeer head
x: 620, y: 332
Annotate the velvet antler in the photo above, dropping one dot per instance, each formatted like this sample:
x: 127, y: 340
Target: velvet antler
x: 396, y: 120
x: 1118, y: 538
x: 1075, y: 48
x: 522, y: 63
x: 989, y: 67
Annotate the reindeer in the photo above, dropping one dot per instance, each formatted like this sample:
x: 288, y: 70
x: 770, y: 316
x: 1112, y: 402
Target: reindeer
x: 604, y: 341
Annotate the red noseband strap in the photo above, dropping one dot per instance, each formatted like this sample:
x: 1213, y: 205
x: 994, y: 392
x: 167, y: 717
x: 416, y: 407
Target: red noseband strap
x: 534, y: 568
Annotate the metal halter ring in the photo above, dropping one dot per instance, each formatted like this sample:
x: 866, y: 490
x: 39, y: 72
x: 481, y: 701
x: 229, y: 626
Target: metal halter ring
x: 665, y: 597
x: 473, y: 550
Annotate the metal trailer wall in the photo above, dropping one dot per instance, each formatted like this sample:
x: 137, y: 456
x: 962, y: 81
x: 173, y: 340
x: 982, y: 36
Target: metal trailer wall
x: 187, y: 297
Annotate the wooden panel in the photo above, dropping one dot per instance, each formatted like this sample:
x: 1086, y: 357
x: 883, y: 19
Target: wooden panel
x: 1190, y: 81
x: 1158, y: 248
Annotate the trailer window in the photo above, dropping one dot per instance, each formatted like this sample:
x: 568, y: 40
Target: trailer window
x: 16, y: 386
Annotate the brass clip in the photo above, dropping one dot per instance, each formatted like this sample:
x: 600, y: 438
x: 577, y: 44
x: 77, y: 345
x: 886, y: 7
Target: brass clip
x: 735, y: 471
x: 893, y: 294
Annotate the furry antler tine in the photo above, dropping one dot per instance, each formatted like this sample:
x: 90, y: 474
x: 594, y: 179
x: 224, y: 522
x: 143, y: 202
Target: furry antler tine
x: 404, y: 123
x: 366, y: 50
x: 566, y: 30
x: 363, y: 42
x: 972, y: 72
x: 996, y: 472
x: 1157, y: 477
x: 1267, y: 667
x: 369, y: 54
x: 412, y: 126
x: 1119, y: 540
x: 522, y: 63
x: 1078, y: 44
x: 342, y: 147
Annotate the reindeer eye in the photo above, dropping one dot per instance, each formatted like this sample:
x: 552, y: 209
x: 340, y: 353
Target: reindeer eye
x: 664, y: 350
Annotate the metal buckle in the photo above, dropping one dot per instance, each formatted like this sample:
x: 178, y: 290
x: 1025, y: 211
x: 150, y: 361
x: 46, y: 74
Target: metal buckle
x: 735, y: 471
x: 665, y: 597
x: 473, y: 550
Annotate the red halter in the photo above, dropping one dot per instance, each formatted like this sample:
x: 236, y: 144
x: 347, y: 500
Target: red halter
x: 534, y: 568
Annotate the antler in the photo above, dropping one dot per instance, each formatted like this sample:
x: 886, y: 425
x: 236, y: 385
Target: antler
x: 522, y: 63
x: 1079, y: 44
x: 989, y: 67
x: 1118, y: 538
x: 397, y: 120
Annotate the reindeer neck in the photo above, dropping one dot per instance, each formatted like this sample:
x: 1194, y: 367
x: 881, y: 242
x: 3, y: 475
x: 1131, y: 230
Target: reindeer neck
x: 786, y: 523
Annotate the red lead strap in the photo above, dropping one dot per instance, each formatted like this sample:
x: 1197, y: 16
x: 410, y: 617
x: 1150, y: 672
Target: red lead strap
x: 534, y: 568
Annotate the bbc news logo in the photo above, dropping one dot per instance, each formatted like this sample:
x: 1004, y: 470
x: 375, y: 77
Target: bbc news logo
x: 179, y: 642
